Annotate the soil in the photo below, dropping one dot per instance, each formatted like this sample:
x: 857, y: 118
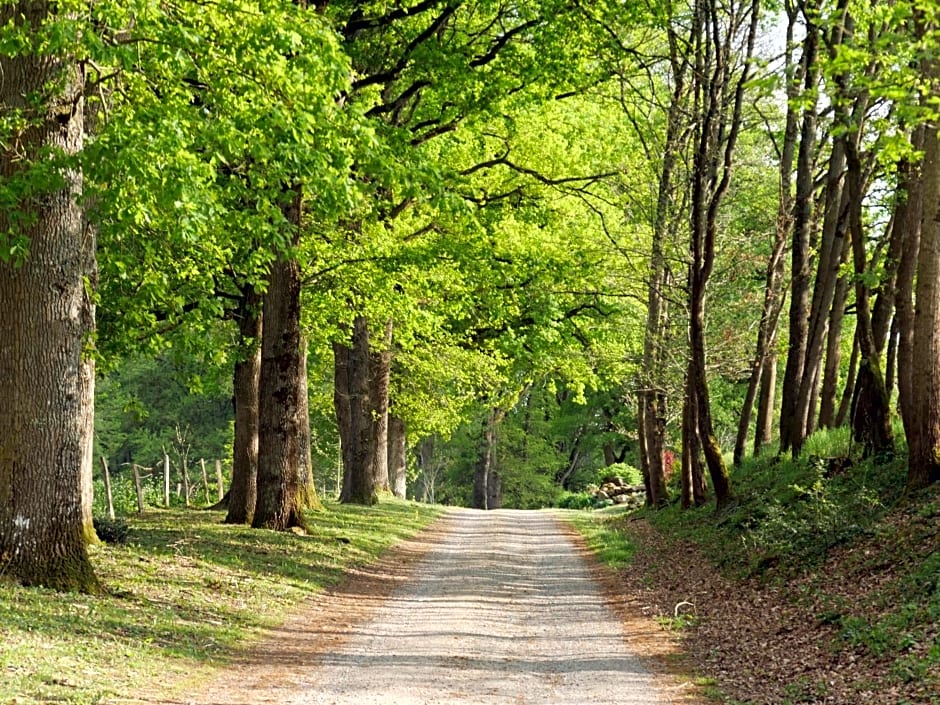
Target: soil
x: 483, y: 607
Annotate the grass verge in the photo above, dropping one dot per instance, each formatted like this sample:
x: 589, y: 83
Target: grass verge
x: 184, y: 591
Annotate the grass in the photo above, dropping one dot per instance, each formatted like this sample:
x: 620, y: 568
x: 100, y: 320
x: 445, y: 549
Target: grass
x: 182, y: 594
x: 603, y: 534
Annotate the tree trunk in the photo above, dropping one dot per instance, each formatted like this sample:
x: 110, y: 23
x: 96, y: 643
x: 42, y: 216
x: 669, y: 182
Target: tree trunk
x: 308, y: 490
x: 871, y: 422
x: 486, y: 488
x: 800, y: 254
x: 764, y: 424
x: 924, y: 434
x: 397, y: 446
x: 827, y: 397
x: 694, y: 489
x: 910, y: 210
x: 848, y: 394
x: 43, y: 327
x: 719, y: 97
x: 279, y: 503
x: 242, y: 494
x: 358, y: 476
x: 380, y: 375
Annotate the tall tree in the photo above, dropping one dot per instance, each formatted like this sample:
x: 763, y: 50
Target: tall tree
x: 723, y: 55
x: 45, y: 256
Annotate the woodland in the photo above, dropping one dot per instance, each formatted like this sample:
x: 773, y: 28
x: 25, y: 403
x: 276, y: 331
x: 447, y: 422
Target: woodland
x: 483, y: 253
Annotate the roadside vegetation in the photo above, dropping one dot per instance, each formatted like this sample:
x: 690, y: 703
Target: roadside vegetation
x: 820, y: 583
x: 183, y: 591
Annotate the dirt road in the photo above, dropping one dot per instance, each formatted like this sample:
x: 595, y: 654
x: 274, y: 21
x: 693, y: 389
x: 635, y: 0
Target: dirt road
x: 501, y: 608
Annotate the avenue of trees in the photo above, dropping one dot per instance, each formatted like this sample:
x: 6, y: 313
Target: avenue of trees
x: 465, y: 250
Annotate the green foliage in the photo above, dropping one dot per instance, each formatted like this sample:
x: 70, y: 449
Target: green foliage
x: 111, y: 531
x: 604, y: 537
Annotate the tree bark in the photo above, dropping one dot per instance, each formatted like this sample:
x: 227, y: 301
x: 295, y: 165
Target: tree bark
x: 397, y: 447
x: 43, y: 327
x: 924, y: 435
x: 911, y: 208
x: 279, y: 503
x: 827, y: 396
x: 354, y: 414
x: 764, y: 424
x: 308, y: 490
x: 242, y: 495
x: 800, y: 253
x: 380, y: 368
x: 486, y: 487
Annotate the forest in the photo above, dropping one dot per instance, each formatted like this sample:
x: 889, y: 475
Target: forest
x: 483, y: 253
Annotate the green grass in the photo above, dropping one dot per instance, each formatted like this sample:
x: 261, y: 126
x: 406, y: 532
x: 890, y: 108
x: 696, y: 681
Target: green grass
x: 603, y: 534
x: 182, y: 594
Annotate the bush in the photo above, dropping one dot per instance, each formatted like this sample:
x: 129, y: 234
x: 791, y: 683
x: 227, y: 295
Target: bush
x: 576, y: 500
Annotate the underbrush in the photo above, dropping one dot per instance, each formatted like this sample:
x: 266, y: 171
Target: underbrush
x: 837, y: 535
x: 183, y: 591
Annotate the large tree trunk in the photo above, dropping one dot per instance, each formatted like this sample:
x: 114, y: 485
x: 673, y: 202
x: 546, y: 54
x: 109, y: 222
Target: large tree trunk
x: 397, y: 446
x: 279, y: 503
x: 242, y: 494
x: 924, y: 423
x: 353, y: 410
x: 380, y: 374
x: 911, y: 208
x: 43, y: 327
x: 800, y: 253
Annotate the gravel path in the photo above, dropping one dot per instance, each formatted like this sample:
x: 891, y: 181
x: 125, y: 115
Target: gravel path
x: 501, y: 609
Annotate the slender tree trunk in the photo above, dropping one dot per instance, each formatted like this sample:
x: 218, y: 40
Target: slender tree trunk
x: 827, y: 399
x: 871, y: 422
x: 694, y: 489
x: 308, y: 490
x: 911, y: 208
x: 358, y: 476
x: 279, y: 503
x: 396, y: 455
x: 487, y: 486
x: 44, y: 415
x: 924, y: 435
x: 243, y: 492
x: 800, y: 253
x: 848, y: 394
x: 764, y: 425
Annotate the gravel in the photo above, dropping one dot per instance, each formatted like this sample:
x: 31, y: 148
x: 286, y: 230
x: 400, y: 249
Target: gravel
x: 502, y: 608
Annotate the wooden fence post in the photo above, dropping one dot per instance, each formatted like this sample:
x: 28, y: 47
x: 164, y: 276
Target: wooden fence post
x: 185, y: 483
x: 140, y: 492
x: 205, y: 479
x: 166, y: 480
x: 218, y: 477
x: 107, y: 488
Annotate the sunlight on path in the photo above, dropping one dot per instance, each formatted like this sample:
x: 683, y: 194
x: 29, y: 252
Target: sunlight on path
x: 503, y: 611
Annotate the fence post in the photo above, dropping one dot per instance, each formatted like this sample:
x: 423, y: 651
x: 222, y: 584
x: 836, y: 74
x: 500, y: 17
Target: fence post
x: 140, y: 492
x: 185, y: 483
x: 166, y: 480
x: 218, y: 477
x: 107, y: 488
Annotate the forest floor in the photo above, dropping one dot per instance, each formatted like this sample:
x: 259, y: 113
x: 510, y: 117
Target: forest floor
x: 494, y: 607
x: 843, y: 632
